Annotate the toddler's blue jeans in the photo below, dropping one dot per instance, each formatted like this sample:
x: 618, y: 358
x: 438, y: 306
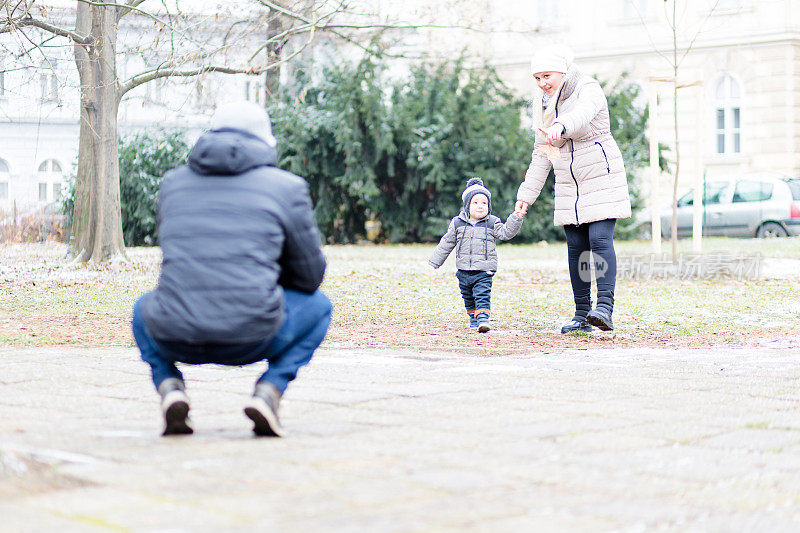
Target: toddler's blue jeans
x: 476, y: 289
x: 307, y: 320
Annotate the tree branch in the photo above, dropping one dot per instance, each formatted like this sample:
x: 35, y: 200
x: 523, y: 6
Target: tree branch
x: 297, y: 16
x: 141, y: 79
x: 293, y: 30
x: 130, y: 6
x: 649, y: 36
x: 696, y: 35
x: 13, y: 25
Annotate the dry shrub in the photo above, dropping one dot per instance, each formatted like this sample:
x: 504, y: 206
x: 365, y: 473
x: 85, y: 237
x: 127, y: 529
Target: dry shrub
x: 38, y: 226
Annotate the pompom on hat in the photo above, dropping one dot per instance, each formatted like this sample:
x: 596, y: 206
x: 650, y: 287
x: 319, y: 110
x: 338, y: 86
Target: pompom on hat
x: 552, y: 58
x: 475, y: 186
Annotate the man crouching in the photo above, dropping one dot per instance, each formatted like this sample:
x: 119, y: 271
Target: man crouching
x: 240, y: 271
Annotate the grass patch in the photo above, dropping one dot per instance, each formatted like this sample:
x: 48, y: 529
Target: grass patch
x: 388, y: 296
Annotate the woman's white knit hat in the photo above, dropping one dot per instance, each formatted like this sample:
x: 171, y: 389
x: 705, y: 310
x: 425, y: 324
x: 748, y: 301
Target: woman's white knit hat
x: 552, y: 58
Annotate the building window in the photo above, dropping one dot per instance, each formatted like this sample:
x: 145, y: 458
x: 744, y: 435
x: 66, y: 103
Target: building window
x: 2, y: 83
x: 547, y: 13
x: 51, y: 166
x: 153, y: 91
x: 634, y: 9
x: 50, y: 170
x: 4, y: 171
x: 253, y: 91
x: 727, y: 116
x: 49, y: 84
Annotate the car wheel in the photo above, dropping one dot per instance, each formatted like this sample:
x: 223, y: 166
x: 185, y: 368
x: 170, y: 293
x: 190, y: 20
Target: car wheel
x: 768, y: 230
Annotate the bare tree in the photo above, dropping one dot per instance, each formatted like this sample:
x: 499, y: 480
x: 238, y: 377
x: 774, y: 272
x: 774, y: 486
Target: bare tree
x: 251, y: 39
x: 675, y: 59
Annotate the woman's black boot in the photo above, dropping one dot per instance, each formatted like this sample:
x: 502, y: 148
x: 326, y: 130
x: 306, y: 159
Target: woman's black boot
x: 578, y: 322
x: 601, y: 316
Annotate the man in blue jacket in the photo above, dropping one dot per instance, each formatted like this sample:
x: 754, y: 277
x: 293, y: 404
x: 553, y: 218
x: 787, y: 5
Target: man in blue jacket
x: 240, y: 272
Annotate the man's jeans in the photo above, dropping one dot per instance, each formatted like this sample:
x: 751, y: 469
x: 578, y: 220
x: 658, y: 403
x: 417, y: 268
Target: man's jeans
x: 476, y: 288
x: 307, y: 320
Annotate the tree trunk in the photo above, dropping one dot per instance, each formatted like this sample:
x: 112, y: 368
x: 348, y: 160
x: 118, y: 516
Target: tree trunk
x: 272, y: 76
x: 97, y: 219
x: 674, y: 239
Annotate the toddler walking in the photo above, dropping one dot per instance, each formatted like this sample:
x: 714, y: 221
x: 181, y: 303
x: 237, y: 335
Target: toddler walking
x: 472, y: 233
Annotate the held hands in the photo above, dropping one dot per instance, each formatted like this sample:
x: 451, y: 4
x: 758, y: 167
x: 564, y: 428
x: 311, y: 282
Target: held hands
x: 521, y: 208
x: 553, y: 132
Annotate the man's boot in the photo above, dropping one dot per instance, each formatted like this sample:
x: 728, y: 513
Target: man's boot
x: 263, y: 410
x: 601, y: 315
x: 175, y: 407
x: 578, y: 322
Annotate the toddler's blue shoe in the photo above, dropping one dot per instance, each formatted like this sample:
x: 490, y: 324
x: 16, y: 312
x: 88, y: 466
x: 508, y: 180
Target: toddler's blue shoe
x: 482, y: 317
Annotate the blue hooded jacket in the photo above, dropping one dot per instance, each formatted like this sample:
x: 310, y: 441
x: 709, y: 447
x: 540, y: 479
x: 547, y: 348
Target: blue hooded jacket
x: 234, y: 232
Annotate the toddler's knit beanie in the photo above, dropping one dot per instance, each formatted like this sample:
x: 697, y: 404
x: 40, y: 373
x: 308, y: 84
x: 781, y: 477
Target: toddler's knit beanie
x: 475, y: 186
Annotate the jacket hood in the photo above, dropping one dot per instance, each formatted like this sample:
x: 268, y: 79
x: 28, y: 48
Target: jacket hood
x: 228, y: 152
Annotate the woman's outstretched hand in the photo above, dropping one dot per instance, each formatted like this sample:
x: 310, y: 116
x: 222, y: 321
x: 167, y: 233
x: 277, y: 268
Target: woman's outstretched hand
x: 553, y: 132
x: 521, y: 208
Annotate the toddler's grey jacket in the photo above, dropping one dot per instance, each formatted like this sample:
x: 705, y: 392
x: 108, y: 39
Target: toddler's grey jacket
x: 474, y: 244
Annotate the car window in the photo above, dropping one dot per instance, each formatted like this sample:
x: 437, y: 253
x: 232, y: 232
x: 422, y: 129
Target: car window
x: 794, y: 185
x: 715, y: 192
x: 686, y: 199
x: 752, y: 191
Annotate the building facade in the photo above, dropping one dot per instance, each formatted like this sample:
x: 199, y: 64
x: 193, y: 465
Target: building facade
x: 737, y: 108
x: 739, y: 71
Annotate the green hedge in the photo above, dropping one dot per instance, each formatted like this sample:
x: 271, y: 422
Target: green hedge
x: 394, y: 155
x: 400, y: 152
x: 144, y: 158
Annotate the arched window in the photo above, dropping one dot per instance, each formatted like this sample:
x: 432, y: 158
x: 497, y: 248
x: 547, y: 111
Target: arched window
x: 49, y: 174
x: 727, y: 116
x: 50, y: 166
x: 4, y: 169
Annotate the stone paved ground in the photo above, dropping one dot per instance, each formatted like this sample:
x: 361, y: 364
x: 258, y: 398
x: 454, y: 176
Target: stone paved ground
x: 604, y: 440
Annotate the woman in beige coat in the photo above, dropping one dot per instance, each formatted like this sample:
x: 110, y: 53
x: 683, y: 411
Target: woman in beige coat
x: 591, y: 190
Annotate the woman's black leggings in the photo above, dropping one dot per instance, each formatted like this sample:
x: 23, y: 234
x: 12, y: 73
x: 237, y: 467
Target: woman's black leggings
x: 597, y: 238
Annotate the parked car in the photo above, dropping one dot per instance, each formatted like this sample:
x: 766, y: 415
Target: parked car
x: 753, y: 205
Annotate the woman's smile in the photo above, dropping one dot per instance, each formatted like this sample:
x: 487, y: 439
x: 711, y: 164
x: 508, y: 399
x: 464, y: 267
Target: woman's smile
x: 549, y: 82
